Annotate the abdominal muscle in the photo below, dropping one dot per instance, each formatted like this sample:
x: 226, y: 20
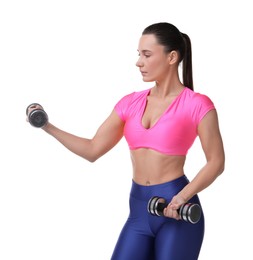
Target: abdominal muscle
x: 151, y: 167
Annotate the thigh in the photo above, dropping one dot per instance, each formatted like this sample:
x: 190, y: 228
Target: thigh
x: 179, y: 240
x: 133, y: 245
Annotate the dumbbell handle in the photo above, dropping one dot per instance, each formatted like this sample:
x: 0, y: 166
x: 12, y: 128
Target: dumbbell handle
x: 188, y: 212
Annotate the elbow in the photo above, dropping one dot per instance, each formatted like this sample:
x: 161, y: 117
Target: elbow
x: 221, y: 166
x: 221, y: 170
x: 217, y: 165
x: 92, y: 159
x: 92, y: 156
x: 92, y: 153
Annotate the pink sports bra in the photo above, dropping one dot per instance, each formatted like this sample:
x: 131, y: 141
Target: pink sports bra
x: 174, y: 132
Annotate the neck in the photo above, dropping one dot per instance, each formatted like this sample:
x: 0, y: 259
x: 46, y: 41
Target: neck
x: 166, y: 90
x: 170, y: 85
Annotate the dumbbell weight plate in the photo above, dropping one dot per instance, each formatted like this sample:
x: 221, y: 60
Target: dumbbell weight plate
x: 37, y: 117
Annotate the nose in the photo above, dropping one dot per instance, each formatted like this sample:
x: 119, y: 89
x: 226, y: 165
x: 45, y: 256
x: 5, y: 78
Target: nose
x: 139, y: 63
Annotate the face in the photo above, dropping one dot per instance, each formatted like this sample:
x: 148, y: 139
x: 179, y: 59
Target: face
x: 153, y: 62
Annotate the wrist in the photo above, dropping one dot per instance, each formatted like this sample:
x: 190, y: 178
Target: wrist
x: 184, y: 195
x: 47, y: 127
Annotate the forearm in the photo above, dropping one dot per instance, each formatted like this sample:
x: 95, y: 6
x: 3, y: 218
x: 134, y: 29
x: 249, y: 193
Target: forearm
x: 78, y: 145
x: 205, y: 177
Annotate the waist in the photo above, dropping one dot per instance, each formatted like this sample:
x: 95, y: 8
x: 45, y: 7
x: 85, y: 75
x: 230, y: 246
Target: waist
x: 166, y: 189
x: 151, y: 167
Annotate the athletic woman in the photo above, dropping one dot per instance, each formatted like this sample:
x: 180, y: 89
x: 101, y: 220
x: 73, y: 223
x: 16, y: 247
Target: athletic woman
x: 160, y: 125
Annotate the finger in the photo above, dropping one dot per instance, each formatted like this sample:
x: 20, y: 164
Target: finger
x: 171, y: 213
x: 168, y: 212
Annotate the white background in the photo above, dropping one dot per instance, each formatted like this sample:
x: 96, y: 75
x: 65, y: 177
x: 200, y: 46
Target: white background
x: 77, y: 58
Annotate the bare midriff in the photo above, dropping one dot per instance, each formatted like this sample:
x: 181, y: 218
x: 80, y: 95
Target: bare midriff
x: 151, y: 167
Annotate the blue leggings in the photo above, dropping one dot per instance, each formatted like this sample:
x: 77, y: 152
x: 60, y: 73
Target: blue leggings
x: 148, y: 237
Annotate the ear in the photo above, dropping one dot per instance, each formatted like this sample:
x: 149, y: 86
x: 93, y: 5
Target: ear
x: 173, y: 57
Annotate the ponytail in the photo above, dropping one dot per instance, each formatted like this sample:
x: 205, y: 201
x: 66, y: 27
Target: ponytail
x: 187, y: 63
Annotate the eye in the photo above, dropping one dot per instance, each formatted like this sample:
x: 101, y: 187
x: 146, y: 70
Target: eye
x: 147, y: 54
x: 144, y: 53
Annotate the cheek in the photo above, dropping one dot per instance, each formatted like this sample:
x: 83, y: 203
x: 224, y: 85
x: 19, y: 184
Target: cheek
x: 158, y: 67
x: 153, y: 65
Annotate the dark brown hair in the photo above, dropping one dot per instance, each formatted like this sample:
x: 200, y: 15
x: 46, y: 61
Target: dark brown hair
x: 172, y: 39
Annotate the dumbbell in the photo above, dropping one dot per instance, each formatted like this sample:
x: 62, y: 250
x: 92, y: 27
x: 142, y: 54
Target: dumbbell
x: 188, y: 212
x: 37, y: 117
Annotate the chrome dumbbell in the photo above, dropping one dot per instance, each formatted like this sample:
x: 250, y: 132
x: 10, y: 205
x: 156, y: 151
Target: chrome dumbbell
x: 36, y: 117
x: 188, y: 212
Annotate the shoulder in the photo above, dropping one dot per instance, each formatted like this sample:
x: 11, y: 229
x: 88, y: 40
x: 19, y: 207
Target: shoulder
x: 129, y: 100
x: 133, y: 96
x: 197, y: 104
x: 196, y: 98
x: 137, y: 94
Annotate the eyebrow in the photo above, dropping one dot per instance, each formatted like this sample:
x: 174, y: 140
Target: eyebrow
x: 145, y: 51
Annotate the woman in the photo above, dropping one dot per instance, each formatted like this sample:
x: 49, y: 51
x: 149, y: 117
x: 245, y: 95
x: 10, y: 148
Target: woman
x: 160, y: 124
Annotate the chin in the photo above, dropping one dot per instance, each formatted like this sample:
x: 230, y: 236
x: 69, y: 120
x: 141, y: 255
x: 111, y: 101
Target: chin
x: 147, y: 79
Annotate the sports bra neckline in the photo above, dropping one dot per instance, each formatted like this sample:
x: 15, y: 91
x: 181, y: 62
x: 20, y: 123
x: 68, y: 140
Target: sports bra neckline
x: 162, y: 114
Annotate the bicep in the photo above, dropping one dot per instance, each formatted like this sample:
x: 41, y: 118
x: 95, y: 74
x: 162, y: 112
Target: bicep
x: 108, y: 134
x: 210, y: 136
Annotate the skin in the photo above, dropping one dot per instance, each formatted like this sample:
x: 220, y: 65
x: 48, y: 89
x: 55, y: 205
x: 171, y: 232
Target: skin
x: 151, y: 167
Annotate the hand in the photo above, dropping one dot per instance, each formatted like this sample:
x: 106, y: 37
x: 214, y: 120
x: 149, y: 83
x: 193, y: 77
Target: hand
x: 36, y: 115
x: 32, y: 107
x: 171, y: 211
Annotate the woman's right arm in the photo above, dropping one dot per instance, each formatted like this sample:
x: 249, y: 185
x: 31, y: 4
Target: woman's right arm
x: 106, y: 137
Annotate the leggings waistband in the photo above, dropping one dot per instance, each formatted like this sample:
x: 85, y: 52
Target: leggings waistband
x: 167, y: 189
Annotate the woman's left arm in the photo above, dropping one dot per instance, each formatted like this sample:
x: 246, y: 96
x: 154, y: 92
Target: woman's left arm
x: 211, y: 141
x: 212, y: 144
